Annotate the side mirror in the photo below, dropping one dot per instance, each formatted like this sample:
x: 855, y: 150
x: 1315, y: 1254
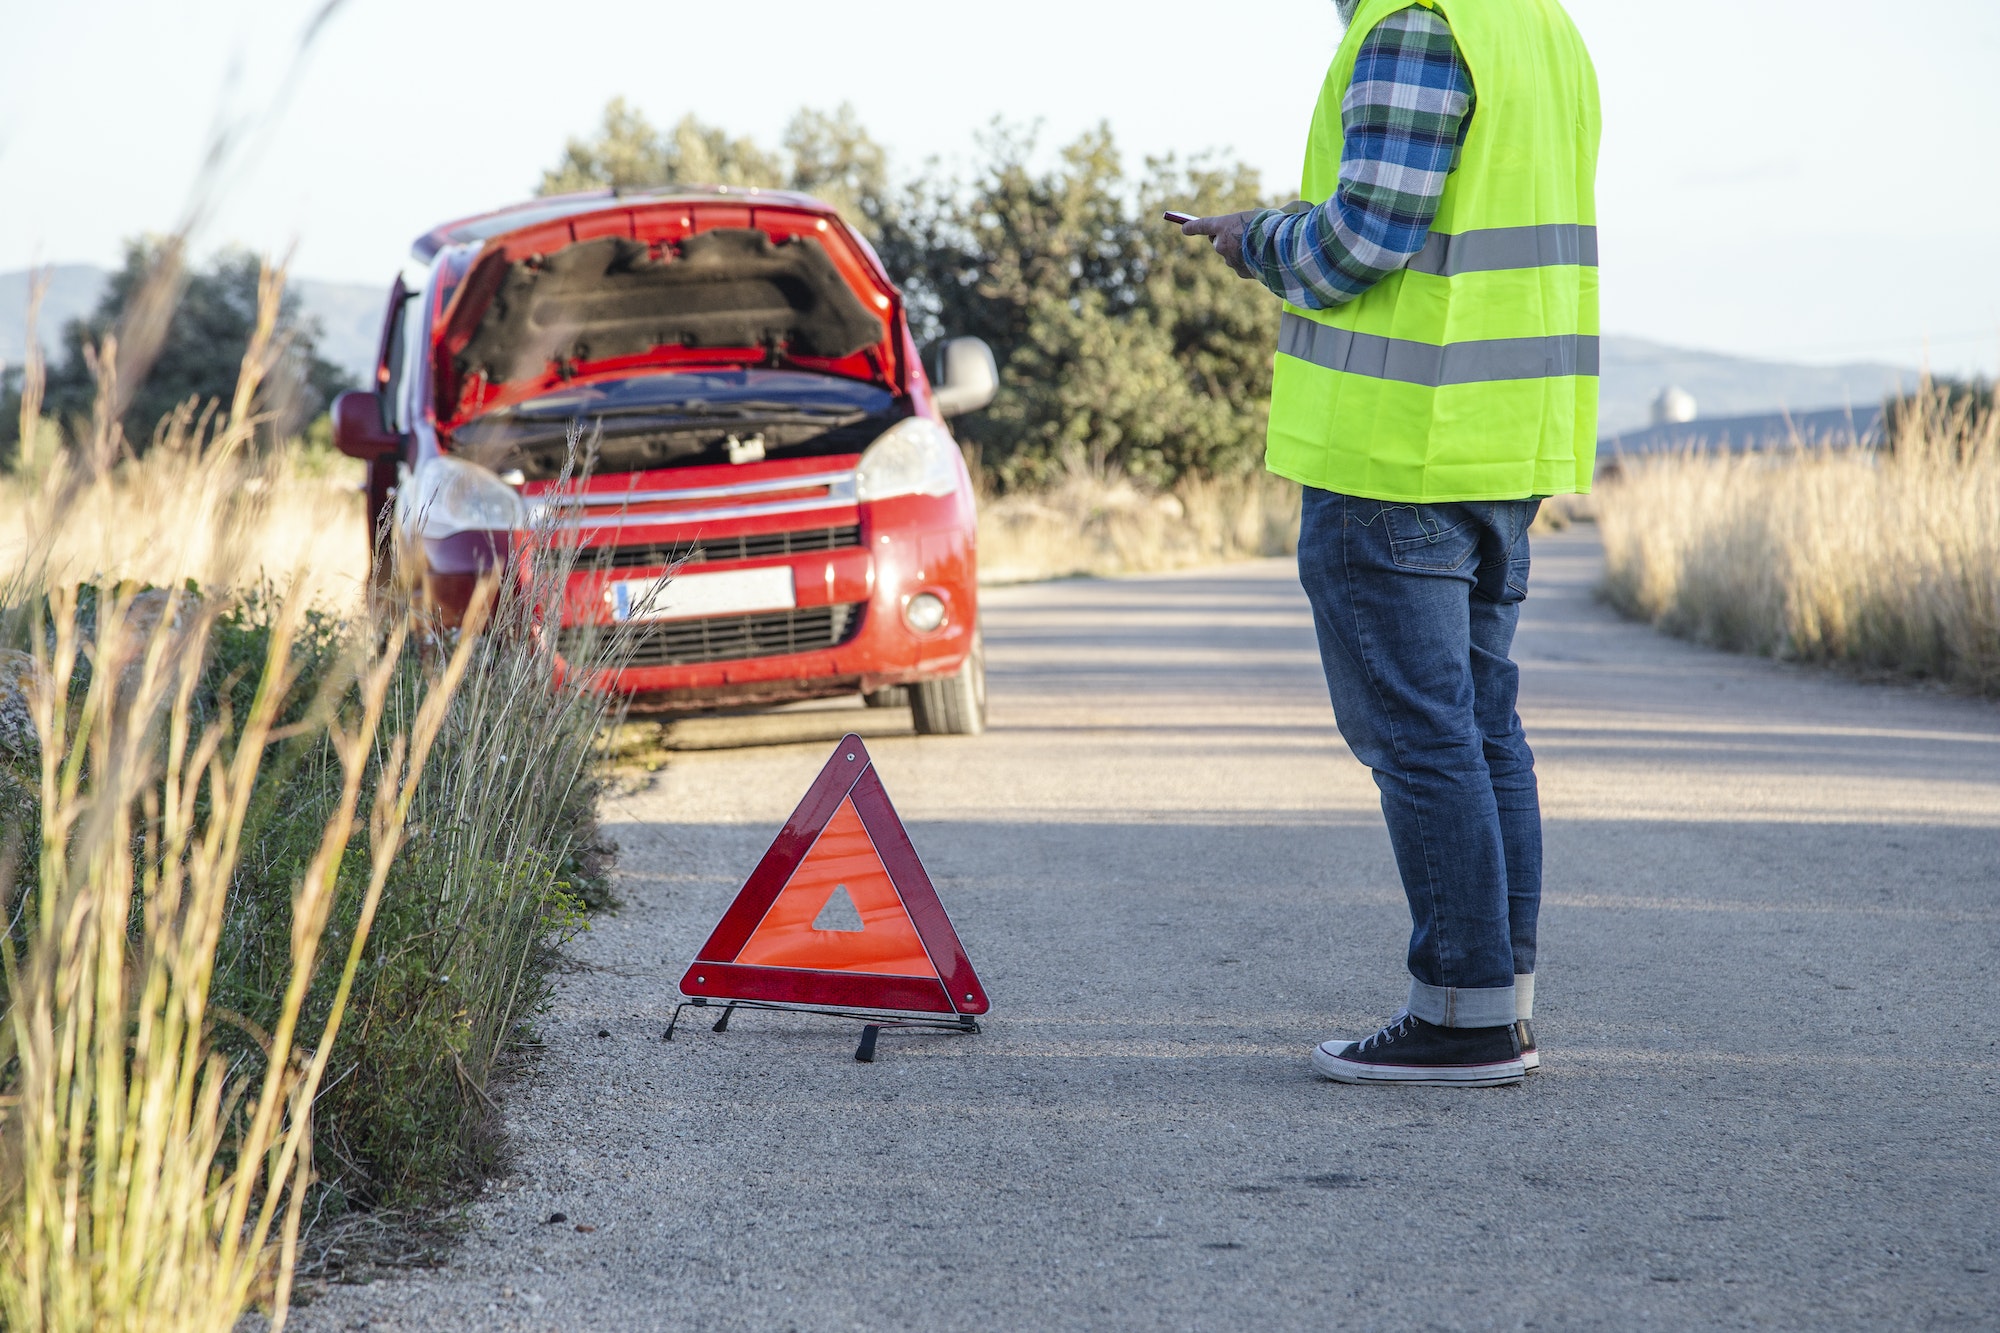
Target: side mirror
x: 357, y: 427
x: 968, y: 377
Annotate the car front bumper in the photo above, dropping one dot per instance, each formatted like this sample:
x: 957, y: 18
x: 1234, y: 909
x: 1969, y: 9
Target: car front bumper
x: 846, y: 633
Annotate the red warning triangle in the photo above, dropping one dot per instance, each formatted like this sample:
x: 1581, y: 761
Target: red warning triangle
x: 844, y: 839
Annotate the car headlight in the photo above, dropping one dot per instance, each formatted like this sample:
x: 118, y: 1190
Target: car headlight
x: 452, y: 495
x: 913, y: 457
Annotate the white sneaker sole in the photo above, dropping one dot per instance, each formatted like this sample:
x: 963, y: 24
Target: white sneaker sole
x: 1531, y: 1061
x: 1497, y: 1075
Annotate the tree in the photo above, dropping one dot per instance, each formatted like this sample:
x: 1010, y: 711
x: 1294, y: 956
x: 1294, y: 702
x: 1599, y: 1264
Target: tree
x: 1121, y: 342
x: 825, y: 154
x: 10, y: 414
x: 200, y: 356
x: 627, y: 153
x: 833, y: 158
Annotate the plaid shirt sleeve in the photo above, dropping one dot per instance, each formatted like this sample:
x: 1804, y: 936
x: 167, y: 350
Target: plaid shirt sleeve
x: 1404, y: 120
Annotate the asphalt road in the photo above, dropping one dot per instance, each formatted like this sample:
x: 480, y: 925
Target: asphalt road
x: 1767, y: 1011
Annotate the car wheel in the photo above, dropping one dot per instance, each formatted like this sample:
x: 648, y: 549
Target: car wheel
x: 956, y: 705
x: 889, y: 696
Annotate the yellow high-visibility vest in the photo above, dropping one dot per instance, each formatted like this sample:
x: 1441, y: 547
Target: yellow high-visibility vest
x: 1472, y: 373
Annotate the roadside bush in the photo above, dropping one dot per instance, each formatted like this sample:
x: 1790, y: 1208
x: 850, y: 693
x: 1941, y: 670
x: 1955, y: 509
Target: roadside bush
x: 499, y: 863
x: 1940, y: 401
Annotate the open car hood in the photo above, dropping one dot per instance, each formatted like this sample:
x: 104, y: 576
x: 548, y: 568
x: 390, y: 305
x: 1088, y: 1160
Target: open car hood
x: 791, y: 290
x: 613, y: 298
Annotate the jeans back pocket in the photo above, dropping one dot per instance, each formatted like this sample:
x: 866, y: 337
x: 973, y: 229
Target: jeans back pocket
x: 1439, y: 538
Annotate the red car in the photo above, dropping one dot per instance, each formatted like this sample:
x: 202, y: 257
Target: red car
x: 763, y: 428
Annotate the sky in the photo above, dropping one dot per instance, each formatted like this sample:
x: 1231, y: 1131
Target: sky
x: 1804, y: 180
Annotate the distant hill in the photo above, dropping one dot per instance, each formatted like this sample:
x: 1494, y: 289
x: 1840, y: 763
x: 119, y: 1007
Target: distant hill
x: 1833, y: 427
x: 350, y: 319
x: 350, y: 315
x: 73, y: 292
x: 1635, y: 370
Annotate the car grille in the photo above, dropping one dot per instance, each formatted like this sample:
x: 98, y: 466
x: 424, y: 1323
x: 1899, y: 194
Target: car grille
x: 730, y: 638
x: 715, y: 550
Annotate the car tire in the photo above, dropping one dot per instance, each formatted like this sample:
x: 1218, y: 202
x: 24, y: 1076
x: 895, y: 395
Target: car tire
x: 889, y: 696
x: 955, y: 705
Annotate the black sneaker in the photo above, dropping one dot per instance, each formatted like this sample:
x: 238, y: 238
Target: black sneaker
x: 1411, y: 1051
x: 1531, y: 1059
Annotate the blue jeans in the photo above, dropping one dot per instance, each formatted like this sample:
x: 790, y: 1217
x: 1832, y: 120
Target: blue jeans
x: 1416, y: 607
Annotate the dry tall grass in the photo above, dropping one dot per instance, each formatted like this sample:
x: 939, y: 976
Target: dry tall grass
x: 186, y: 923
x: 145, y: 1181
x: 1100, y: 524
x: 200, y: 503
x: 1887, y: 561
x: 294, y: 518
x: 149, y: 1184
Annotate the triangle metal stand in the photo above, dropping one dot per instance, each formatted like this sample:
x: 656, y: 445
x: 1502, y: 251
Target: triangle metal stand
x: 874, y: 1023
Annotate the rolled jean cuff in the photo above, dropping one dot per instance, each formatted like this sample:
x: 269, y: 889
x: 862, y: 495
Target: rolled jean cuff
x: 1456, y: 1007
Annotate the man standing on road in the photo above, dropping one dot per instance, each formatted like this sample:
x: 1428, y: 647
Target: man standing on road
x: 1436, y: 379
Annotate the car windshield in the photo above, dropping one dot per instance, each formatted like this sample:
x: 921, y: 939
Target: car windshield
x: 683, y: 419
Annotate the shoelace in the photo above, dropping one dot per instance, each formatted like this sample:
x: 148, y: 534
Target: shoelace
x: 1398, y: 1026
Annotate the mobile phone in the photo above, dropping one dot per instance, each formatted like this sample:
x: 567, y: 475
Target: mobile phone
x: 1181, y: 219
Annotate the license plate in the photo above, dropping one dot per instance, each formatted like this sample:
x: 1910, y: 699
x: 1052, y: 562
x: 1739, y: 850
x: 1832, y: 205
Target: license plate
x: 740, y: 592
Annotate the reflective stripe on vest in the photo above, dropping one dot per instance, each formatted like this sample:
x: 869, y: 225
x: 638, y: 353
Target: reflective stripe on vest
x: 1498, y: 249
x: 1422, y: 363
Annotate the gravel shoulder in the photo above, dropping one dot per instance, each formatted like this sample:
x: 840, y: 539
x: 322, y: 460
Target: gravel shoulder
x: 1768, y: 1010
